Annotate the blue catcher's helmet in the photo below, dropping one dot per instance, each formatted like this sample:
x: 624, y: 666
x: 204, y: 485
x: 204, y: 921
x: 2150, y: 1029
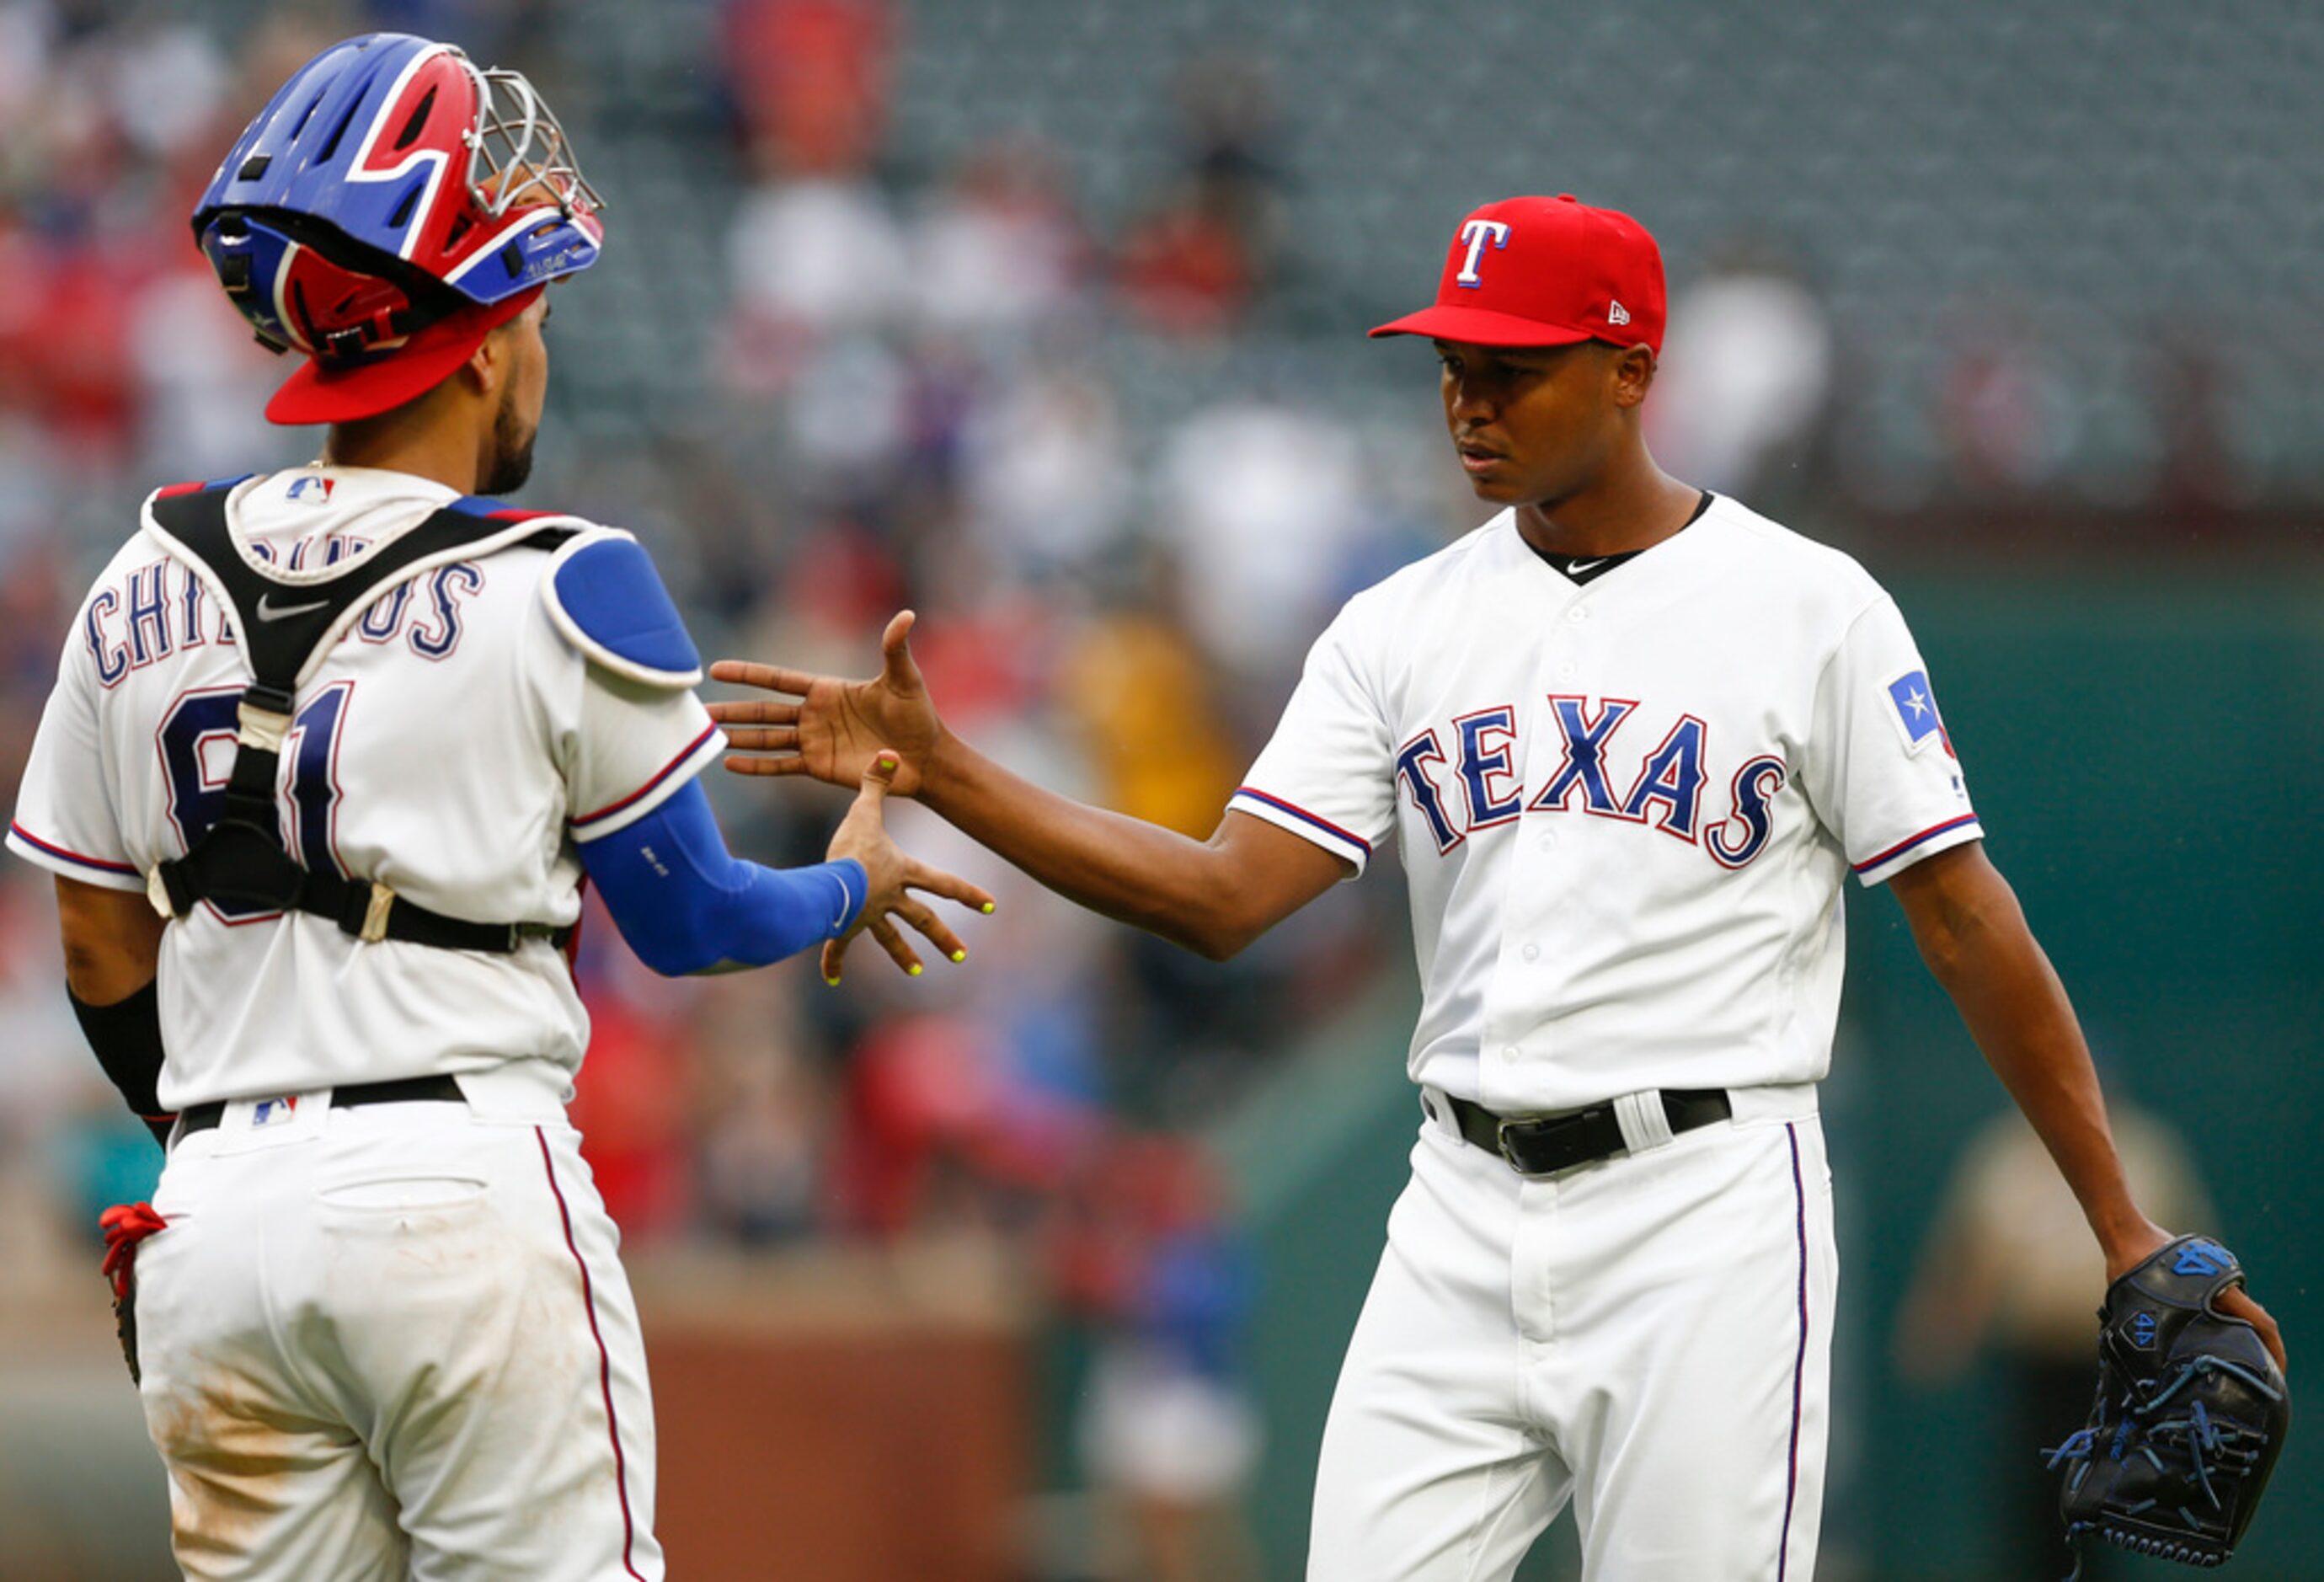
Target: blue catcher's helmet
x: 392, y: 199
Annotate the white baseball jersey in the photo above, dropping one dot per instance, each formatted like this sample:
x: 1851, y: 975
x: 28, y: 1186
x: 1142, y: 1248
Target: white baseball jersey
x: 1625, y: 808
x: 452, y: 746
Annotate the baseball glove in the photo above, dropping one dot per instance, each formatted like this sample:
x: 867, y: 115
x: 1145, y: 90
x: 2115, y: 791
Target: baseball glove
x: 2190, y: 1414
x: 125, y: 1226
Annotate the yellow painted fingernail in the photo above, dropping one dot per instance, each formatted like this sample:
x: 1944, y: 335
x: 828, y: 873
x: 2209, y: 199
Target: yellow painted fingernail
x: 913, y: 971
x: 988, y: 908
x: 960, y: 956
x: 833, y: 982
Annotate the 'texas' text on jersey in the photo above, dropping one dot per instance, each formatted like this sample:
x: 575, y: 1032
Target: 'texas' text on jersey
x: 1476, y: 786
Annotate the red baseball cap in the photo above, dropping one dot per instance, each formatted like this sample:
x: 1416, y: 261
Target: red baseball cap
x: 314, y: 393
x: 1545, y: 271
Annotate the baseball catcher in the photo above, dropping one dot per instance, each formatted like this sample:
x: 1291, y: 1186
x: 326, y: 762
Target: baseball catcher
x: 321, y: 800
x: 2190, y: 1414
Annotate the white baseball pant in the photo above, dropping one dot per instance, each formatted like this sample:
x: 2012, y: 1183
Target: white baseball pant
x: 394, y: 1341
x: 1648, y: 1337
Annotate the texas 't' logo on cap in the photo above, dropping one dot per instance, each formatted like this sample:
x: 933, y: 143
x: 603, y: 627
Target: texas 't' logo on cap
x: 1545, y: 271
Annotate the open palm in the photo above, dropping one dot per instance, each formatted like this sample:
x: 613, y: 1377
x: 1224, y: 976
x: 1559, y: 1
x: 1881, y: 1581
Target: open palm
x: 835, y: 727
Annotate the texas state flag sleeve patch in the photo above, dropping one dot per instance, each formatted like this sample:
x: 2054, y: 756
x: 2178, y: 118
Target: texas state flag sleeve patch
x: 1915, y: 707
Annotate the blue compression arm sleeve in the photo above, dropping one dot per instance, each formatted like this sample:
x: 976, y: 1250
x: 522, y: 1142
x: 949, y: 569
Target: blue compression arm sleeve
x: 686, y: 905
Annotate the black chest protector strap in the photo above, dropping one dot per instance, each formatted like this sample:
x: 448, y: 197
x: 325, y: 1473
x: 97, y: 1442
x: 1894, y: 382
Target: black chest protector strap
x: 241, y: 859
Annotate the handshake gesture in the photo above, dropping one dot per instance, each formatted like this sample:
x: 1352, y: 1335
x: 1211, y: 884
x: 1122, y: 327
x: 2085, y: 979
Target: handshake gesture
x: 879, y: 735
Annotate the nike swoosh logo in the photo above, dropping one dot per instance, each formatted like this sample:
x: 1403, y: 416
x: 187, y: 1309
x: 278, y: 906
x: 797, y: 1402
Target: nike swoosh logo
x: 1578, y: 567
x: 268, y: 610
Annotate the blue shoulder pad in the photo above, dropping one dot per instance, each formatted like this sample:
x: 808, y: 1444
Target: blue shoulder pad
x: 606, y: 599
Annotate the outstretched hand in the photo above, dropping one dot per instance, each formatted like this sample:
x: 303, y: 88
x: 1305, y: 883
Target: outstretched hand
x: 893, y: 876
x: 835, y: 728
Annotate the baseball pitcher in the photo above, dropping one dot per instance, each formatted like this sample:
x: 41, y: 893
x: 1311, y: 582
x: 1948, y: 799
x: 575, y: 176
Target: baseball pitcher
x: 1632, y: 740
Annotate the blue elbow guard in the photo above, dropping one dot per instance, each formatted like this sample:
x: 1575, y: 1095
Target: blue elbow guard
x: 686, y: 905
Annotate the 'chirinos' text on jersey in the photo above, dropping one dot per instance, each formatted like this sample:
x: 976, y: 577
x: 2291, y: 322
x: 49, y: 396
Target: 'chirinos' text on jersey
x: 160, y: 608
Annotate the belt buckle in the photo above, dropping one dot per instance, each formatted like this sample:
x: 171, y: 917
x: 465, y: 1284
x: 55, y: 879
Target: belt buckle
x: 1508, y: 1154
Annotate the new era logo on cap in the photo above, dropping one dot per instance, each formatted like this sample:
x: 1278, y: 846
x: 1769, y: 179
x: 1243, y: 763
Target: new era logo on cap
x: 1545, y: 271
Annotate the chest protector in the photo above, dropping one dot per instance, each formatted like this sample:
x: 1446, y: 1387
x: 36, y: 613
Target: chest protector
x: 285, y: 627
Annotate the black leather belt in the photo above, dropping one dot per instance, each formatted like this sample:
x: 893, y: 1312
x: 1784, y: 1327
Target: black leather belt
x: 1543, y: 1146
x: 201, y: 1117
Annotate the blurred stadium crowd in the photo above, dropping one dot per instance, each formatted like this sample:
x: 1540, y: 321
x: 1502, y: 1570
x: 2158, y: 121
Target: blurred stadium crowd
x: 896, y: 309
x: 884, y: 395
x: 893, y: 409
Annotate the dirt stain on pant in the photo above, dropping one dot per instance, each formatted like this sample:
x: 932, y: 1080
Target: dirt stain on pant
x: 234, y: 1460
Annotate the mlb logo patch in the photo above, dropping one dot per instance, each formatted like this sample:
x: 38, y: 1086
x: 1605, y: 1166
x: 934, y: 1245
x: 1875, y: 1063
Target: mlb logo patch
x: 1915, y: 706
x: 315, y: 491
x: 273, y: 1111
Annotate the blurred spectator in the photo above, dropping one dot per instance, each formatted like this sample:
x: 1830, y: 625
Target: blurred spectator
x: 1045, y: 475
x: 67, y: 1146
x: 1168, y: 1432
x: 67, y: 345
x: 34, y: 605
x: 848, y: 420
x: 166, y: 80
x: 1259, y: 503
x: 1185, y: 269
x: 762, y: 1113
x: 202, y: 382
x: 2010, y: 1264
x: 48, y: 1068
x: 915, y: 1089
x: 971, y: 1097
x: 1229, y: 128
x: 1747, y: 377
x: 811, y: 80
x: 809, y: 259
x: 927, y: 1100
x: 27, y: 34
x: 2189, y: 377
x: 1139, y: 696
x: 999, y: 250
x: 489, y: 29
x: 1197, y: 257
x: 635, y: 1104
x: 2006, y: 417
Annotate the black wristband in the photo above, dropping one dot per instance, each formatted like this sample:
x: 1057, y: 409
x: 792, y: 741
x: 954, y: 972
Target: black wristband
x: 126, y: 1037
